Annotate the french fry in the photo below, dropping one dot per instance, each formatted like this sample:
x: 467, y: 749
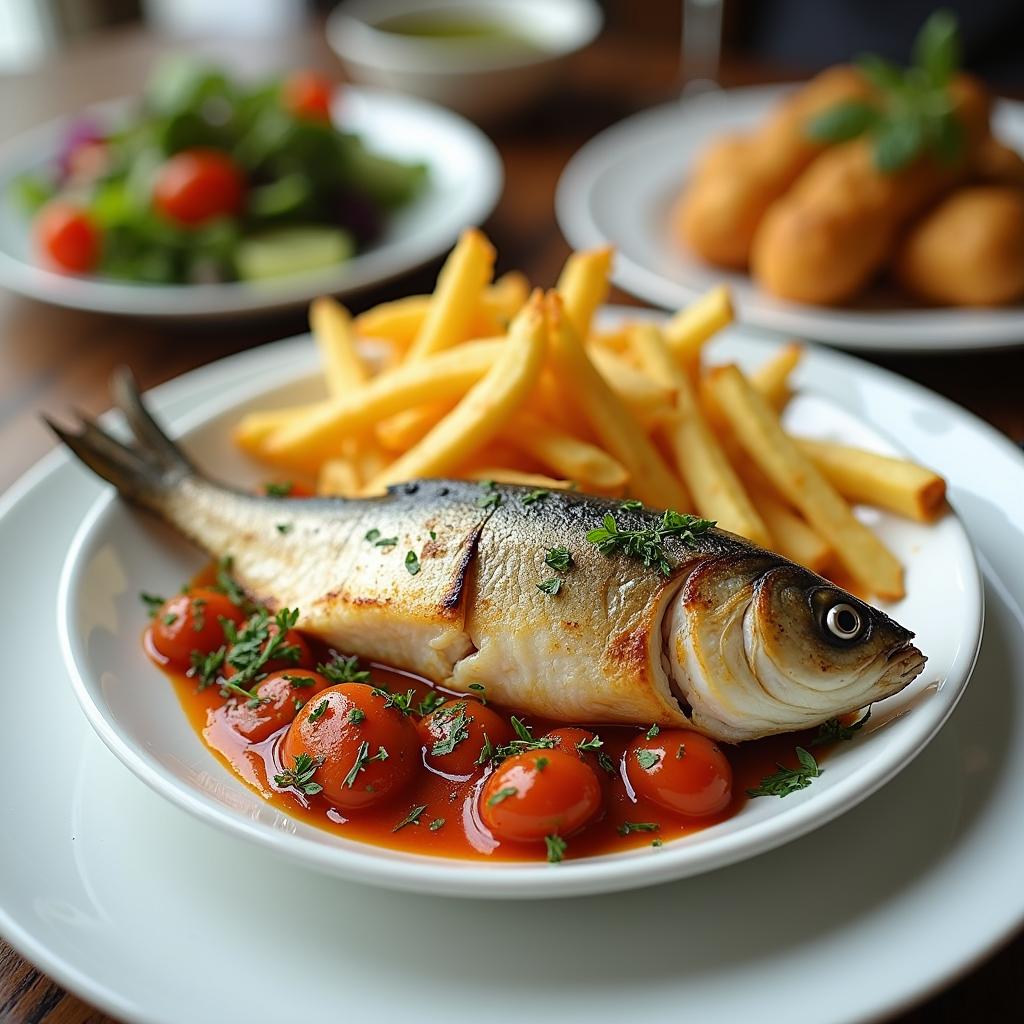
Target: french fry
x: 463, y: 278
x: 791, y: 536
x: 771, y: 378
x: 717, y: 491
x: 344, y: 369
x: 398, y: 322
x: 307, y: 441
x: 583, y: 286
x: 400, y: 432
x: 485, y: 408
x: 338, y: 477
x: 576, y: 460
x: 693, y: 325
x: 865, y: 477
x: 757, y: 429
x: 651, y: 480
x: 252, y: 431
x: 503, y: 475
x: 613, y: 341
x: 648, y: 400
x: 554, y: 404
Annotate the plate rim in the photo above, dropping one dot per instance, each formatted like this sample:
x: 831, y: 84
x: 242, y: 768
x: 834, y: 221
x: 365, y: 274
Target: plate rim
x: 230, y: 298
x: 921, y: 331
x: 363, y: 862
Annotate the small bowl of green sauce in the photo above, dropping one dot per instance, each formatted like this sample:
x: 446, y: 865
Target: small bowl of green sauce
x: 482, y: 58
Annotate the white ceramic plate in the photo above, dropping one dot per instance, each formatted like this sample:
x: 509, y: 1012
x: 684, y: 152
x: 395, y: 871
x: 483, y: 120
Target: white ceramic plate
x: 151, y: 915
x: 117, y: 552
x: 619, y: 189
x: 465, y: 180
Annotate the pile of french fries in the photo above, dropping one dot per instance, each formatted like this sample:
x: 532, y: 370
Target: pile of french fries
x: 484, y: 380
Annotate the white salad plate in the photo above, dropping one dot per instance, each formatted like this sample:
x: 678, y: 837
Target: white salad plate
x: 620, y: 188
x: 465, y: 178
x: 117, y: 552
x: 153, y: 917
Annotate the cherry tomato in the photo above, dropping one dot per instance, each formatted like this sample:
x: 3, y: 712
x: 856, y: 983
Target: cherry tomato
x: 681, y: 771
x: 282, y: 696
x: 307, y: 94
x: 297, y: 653
x: 197, y: 185
x: 540, y: 793
x: 67, y: 237
x: 367, y: 752
x: 191, y: 622
x: 457, y: 733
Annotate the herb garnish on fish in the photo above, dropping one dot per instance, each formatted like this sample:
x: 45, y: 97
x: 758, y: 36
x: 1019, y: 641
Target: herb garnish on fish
x: 648, y: 545
x: 833, y: 730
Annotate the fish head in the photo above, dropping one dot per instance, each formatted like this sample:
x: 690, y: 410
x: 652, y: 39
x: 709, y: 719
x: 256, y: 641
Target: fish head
x: 760, y: 645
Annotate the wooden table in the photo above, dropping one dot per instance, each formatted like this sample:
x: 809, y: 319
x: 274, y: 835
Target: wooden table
x: 53, y: 359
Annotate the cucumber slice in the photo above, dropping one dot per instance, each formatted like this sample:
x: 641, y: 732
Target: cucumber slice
x: 294, y: 250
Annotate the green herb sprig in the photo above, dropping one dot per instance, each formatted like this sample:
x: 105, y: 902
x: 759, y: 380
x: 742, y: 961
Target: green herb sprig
x: 833, y: 731
x: 648, y: 545
x: 789, y: 780
x: 914, y: 111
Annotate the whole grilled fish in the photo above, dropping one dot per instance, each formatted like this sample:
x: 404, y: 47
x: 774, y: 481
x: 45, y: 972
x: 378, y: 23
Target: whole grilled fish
x: 440, y: 577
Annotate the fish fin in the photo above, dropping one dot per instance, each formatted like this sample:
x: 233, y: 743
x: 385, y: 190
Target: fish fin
x: 141, y: 471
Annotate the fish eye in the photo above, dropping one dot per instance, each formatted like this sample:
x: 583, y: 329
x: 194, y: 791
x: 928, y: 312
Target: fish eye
x: 844, y: 621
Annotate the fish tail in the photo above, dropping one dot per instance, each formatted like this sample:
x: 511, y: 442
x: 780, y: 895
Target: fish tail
x: 143, y: 470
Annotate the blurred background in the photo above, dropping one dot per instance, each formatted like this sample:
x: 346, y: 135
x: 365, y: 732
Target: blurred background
x: 801, y: 36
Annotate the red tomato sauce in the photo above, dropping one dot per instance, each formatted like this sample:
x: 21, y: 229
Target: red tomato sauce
x: 450, y: 824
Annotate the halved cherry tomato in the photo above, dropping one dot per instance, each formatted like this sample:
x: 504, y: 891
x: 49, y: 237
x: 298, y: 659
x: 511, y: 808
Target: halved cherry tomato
x: 68, y: 237
x: 295, y: 652
x: 538, y: 794
x: 197, y: 185
x: 367, y: 752
x: 681, y: 771
x: 457, y: 735
x: 307, y: 94
x: 281, y: 696
x: 191, y: 622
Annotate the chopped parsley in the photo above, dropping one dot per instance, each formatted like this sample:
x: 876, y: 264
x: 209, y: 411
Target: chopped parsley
x: 524, y: 741
x: 628, y: 827
x: 278, y: 490
x: 486, y: 751
x: 648, y: 545
x: 631, y: 505
x: 607, y: 764
x: 344, y: 670
x: 657, y: 842
x: 436, y: 824
x: 534, y: 496
x: 594, y: 744
x: 152, y: 602
x: 491, y: 498
x: 198, y: 606
x: 541, y: 763
x: 833, y: 730
x: 357, y: 715
x: 283, y: 528
x: 401, y: 701
x: 502, y: 794
x: 206, y: 667
x: 300, y: 776
x: 363, y: 758
x: 453, y: 720
x: 412, y: 563
x: 430, y: 703
x: 254, y: 645
x: 299, y: 681
x: 374, y: 537
x: 556, y: 847
x: 559, y: 559
x: 648, y: 758
x: 788, y: 780
x: 228, y: 585
x: 412, y: 818
x: 480, y: 689
x: 550, y: 586
x: 169, y: 619
x: 653, y: 731
x: 318, y: 712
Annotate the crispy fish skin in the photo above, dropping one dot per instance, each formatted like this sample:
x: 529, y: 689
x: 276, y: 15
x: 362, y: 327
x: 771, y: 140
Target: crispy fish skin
x: 733, y: 642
